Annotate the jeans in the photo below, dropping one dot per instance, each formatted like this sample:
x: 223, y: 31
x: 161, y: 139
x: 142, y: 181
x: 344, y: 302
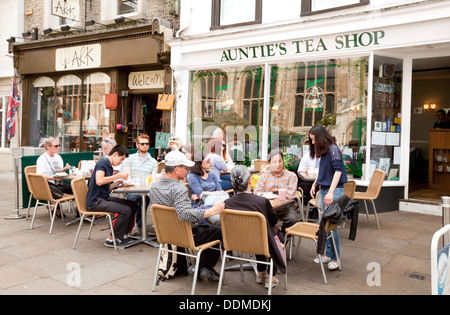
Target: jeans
x: 338, y: 192
x: 225, y: 182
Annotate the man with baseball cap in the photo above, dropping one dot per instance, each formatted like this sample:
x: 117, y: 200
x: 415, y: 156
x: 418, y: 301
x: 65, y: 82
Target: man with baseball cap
x: 169, y: 191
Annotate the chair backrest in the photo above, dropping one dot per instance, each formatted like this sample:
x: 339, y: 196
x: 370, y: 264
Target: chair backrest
x: 376, y: 182
x: 245, y: 232
x: 31, y: 169
x: 80, y: 189
x: 170, y: 229
x: 86, y: 164
x: 349, y: 188
x: 161, y: 166
x: 260, y: 164
x: 39, y: 187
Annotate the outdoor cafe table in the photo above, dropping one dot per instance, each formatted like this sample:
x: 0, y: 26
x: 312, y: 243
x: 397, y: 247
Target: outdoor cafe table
x: 141, y: 190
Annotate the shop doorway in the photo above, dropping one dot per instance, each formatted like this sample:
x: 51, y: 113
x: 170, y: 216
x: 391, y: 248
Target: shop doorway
x: 430, y: 82
x: 144, y: 118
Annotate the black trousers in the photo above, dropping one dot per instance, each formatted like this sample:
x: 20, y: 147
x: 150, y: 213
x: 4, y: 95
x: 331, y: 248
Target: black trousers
x: 126, y: 210
x: 205, y: 233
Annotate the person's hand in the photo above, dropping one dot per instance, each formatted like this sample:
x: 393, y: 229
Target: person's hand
x: 123, y: 175
x: 219, y: 207
x: 194, y: 197
x: 328, y: 199
x: 312, y: 192
x: 66, y: 167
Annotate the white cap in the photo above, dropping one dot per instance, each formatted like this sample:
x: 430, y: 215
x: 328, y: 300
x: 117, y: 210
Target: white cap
x: 177, y: 158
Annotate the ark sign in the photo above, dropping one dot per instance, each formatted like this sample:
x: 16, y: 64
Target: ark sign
x: 78, y: 57
x: 68, y: 9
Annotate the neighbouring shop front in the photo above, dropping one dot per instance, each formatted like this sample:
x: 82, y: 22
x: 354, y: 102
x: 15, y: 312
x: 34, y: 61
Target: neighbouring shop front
x: 65, y: 81
x: 267, y: 95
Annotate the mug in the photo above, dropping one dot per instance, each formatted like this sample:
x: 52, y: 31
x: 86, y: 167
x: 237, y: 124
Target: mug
x: 282, y: 194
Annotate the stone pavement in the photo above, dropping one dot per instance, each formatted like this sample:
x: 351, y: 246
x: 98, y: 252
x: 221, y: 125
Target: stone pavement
x: 34, y: 262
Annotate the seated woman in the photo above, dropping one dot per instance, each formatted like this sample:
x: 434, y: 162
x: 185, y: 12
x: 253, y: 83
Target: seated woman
x: 201, y: 180
x: 245, y: 200
x: 49, y: 164
x: 218, y: 164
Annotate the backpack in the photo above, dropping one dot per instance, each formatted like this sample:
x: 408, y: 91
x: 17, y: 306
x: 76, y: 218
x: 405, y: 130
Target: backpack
x: 171, y: 264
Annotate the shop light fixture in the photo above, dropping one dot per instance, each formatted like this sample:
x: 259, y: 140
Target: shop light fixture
x: 426, y: 106
x: 432, y: 106
x: 12, y: 39
x: 49, y: 30
x: 122, y: 19
x: 34, y: 33
x: 92, y: 22
x: 66, y: 28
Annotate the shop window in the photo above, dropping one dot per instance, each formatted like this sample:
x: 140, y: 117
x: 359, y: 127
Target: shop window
x: 42, y: 111
x: 68, y: 111
x: 95, y: 118
x: 327, y: 92
x: 227, y: 13
x: 386, y: 117
x: 133, y: 9
x: 319, y: 6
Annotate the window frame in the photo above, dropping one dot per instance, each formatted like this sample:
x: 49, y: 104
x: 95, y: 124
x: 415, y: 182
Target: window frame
x: 307, y: 11
x: 215, y: 16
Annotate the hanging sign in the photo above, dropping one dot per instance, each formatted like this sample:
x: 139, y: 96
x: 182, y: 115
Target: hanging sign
x: 146, y: 80
x: 68, y: 9
x: 78, y: 57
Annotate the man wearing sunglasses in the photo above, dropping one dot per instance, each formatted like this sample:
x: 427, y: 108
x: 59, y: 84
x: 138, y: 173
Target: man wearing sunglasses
x: 139, y: 166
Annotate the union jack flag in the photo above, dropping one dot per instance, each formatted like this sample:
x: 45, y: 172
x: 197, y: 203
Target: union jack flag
x: 14, y: 102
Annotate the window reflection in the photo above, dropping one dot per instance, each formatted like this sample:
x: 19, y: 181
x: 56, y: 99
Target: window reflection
x: 42, y: 110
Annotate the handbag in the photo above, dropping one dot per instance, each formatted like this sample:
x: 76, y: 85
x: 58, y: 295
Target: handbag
x: 121, y: 126
x: 56, y: 192
x: 111, y: 98
x: 210, y: 198
x: 165, y: 101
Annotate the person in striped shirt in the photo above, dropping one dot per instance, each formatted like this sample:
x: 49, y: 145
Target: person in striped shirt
x: 140, y: 166
x: 278, y: 177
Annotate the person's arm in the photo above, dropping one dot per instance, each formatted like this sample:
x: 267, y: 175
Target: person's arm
x: 194, y: 186
x: 328, y: 199
x: 260, y: 187
x: 101, y: 179
x: 292, y: 185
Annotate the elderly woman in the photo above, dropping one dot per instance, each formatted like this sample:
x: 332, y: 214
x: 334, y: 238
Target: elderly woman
x: 246, y: 200
x: 107, y: 145
x: 49, y: 164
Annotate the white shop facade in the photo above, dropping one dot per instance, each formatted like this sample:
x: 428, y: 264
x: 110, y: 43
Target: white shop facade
x: 266, y: 86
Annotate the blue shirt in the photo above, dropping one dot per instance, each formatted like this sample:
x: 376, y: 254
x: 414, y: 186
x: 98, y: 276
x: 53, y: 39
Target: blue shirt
x: 95, y: 191
x: 197, y: 185
x: 140, y: 168
x: 330, y: 163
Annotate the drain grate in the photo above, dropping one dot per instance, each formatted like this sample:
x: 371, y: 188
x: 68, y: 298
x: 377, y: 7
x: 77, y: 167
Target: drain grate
x: 416, y: 276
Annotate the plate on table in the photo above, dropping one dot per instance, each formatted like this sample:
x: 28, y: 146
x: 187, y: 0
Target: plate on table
x: 62, y: 174
x: 269, y: 195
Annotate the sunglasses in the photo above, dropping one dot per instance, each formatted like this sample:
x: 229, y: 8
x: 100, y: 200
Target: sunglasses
x: 56, y: 146
x: 145, y: 143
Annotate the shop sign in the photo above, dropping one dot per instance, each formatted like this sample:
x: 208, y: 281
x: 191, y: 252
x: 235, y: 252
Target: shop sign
x: 78, y: 57
x: 304, y: 46
x: 146, y: 80
x: 68, y: 9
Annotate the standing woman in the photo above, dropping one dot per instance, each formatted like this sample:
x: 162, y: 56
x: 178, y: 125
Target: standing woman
x: 331, y: 180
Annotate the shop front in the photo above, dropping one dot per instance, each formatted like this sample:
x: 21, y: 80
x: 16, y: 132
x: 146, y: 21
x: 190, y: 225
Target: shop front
x: 267, y: 95
x: 65, y: 81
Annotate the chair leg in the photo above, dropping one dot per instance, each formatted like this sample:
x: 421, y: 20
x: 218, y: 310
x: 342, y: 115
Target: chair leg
x: 322, y: 267
x: 222, y: 271
x: 53, y: 216
x: 270, y: 277
x: 29, y: 206
x: 90, y: 227
x: 158, y: 257
x: 336, y: 251
x: 197, y: 264
x: 367, y: 210
x: 34, y: 214
x: 78, y: 232
x: 376, y: 215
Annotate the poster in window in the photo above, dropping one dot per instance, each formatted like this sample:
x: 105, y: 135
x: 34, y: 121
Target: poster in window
x: 207, y: 110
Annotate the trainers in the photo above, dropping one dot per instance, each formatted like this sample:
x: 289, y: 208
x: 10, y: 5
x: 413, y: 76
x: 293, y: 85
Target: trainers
x: 207, y: 274
x: 332, y: 265
x: 325, y: 260
x: 136, y: 231
x: 260, y: 277
x: 119, y: 242
x: 275, y: 282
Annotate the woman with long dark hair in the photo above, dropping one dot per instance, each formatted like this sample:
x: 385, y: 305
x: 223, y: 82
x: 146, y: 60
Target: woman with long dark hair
x: 331, y: 180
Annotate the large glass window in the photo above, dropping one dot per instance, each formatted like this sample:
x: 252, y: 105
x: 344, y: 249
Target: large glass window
x: 236, y: 12
x: 331, y: 93
x: 71, y: 110
x: 42, y: 111
x: 386, y: 117
x: 128, y: 6
x: 317, y: 6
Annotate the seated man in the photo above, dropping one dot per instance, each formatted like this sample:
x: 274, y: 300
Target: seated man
x: 278, y: 177
x: 169, y: 191
x: 140, y: 165
x: 98, y: 198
